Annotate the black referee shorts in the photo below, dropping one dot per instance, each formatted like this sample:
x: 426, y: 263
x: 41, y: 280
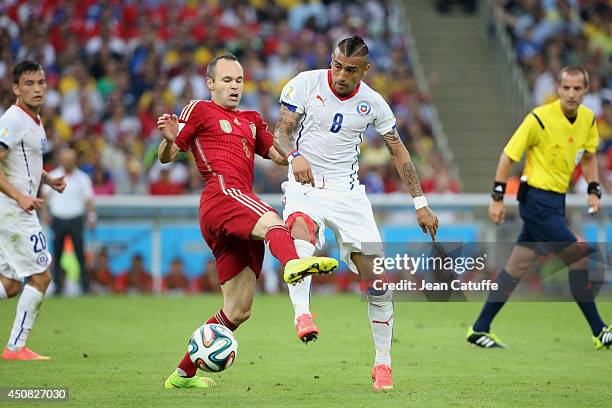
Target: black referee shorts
x: 544, y: 227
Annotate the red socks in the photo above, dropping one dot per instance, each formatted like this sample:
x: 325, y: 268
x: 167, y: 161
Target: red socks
x: 221, y: 318
x: 281, y: 244
x: 186, y: 367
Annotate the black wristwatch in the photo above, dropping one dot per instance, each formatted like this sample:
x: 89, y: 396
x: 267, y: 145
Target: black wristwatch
x: 594, y: 188
x: 499, y: 189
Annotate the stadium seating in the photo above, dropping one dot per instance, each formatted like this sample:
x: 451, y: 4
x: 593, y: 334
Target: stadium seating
x: 113, y: 68
x: 549, y: 34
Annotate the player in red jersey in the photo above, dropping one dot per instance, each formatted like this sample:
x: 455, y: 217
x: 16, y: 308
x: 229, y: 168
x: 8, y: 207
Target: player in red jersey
x: 233, y: 220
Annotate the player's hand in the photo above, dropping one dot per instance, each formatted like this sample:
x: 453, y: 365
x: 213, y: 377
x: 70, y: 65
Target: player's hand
x: 594, y: 205
x: 302, y: 171
x: 168, y: 126
x: 276, y: 157
x: 29, y: 203
x: 497, y: 212
x: 428, y: 221
x: 58, y: 184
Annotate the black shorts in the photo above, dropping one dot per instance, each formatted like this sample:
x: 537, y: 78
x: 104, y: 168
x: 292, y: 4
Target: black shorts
x: 544, y: 226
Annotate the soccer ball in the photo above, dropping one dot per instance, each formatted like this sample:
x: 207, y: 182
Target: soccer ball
x: 213, y: 348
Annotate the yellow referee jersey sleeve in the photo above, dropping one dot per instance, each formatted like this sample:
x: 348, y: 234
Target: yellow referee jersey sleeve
x: 523, y: 138
x: 593, y: 138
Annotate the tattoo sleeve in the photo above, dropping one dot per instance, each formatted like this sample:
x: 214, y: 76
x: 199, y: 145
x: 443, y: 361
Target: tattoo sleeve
x: 286, y: 125
x: 403, y: 162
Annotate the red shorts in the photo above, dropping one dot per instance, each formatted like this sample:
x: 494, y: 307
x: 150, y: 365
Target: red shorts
x: 227, y: 218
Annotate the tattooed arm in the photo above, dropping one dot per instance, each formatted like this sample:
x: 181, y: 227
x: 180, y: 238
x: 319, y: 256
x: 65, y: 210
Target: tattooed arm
x: 284, y: 144
x: 403, y: 163
x: 285, y: 128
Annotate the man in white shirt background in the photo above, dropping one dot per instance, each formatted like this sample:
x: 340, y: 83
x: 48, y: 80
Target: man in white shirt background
x: 69, y: 213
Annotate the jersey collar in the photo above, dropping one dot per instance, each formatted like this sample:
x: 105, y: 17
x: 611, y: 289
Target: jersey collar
x: 558, y: 104
x: 34, y: 118
x: 342, y: 98
x: 225, y: 109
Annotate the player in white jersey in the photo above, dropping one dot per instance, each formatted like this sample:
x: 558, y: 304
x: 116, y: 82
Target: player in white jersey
x: 323, y: 116
x: 23, y: 247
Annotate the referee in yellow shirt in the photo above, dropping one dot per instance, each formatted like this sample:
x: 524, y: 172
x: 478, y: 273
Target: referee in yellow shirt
x: 557, y: 136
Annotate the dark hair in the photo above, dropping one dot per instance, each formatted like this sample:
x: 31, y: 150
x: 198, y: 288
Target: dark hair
x: 210, y: 69
x: 24, y: 67
x: 353, y: 47
x: 574, y: 70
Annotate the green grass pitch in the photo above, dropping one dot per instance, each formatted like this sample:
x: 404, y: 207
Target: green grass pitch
x: 117, y: 351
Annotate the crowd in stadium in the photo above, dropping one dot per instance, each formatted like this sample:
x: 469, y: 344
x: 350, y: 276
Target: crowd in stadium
x: 113, y: 67
x: 549, y: 34
x: 137, y: 279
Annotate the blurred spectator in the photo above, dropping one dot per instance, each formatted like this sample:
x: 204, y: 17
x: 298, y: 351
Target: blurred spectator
x: 102, y: 280
x: 133, y: 182
x: 207, y: 281
x: 604, y: 125
x: 102, y: 182
x: 136, y: 279
x: 176, y: 280
x: 165, y: 186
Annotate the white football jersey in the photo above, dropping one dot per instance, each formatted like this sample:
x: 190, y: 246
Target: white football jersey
x: 24, y: 136
x: 332, y: 126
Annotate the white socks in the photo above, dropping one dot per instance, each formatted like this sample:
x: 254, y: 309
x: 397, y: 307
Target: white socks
x: 3, y: 294
x: 380, y: 313
x: 300, y: 293
x: 27, y: 310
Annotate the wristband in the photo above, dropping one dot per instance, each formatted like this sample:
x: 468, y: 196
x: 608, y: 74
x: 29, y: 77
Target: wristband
x: 499, y: 189
x: 594, y: 188
x: 419, y: 202
x: 292, y: 156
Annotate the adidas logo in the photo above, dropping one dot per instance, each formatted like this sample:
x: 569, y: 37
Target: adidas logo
x: 485, y: 341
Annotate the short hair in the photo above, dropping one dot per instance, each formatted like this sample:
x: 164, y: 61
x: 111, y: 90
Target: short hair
x: 210, y: 69
x: 353, y: 47
x: 574, y: 70
x: 25, y: 67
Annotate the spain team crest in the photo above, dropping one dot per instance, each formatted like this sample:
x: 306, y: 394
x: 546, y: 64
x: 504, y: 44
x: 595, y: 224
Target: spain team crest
x: 363, y: 108
x: 225, y: 126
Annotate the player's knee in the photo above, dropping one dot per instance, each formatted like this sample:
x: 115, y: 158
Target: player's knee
x: 301, y: 226
x: 299, y: 230
x: 271, y: 219
x: 40, y: 281
x: 12, y: 288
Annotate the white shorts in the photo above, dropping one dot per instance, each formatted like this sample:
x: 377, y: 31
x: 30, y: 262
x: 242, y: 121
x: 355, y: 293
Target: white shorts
x: 347, y: 213
x: 23, y: 246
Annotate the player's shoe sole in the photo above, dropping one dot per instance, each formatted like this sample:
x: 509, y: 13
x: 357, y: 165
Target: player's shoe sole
x: 297, y: 269
x: 484, y: 339
x: 176, y: 381
x: 23, y: 354
x: 307, y: 331
x: 604, y: 339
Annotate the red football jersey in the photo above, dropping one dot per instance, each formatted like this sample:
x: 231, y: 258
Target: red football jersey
x: 223, y: 142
